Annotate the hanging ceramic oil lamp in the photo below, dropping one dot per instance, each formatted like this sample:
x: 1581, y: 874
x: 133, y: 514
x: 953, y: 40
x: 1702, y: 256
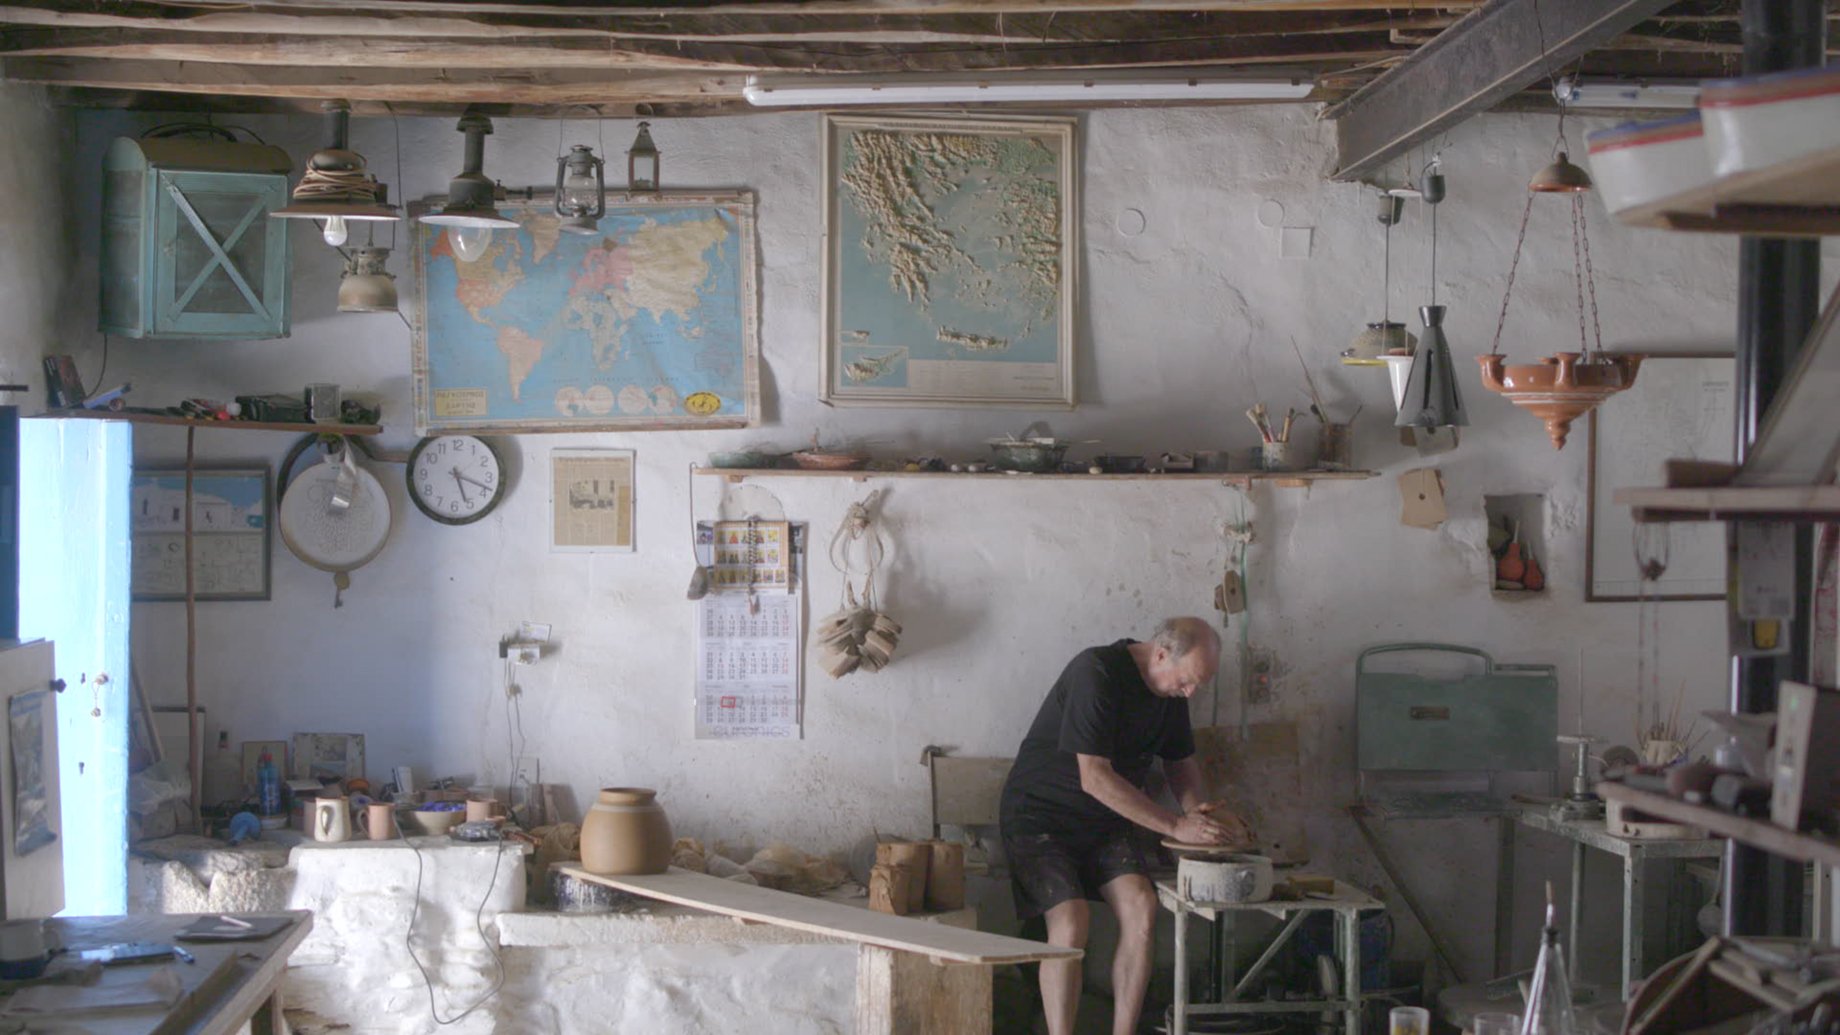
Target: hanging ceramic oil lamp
x: 1565, y: 386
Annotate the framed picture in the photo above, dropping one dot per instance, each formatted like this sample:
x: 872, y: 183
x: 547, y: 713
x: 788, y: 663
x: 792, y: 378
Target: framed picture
x: 230, y: 534
x: 950, y: 269
x: 591, y: 500
x: 650, y: 324
x: 252, y: 758
x: 327, y: 756
x: 1679, y: 408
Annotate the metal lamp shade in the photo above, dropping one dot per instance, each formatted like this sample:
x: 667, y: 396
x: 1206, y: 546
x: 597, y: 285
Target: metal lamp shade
x: 365, y: 286
x: 1560, y: 177
x: 336, y: 184
x: 472, y: 199
x: 1432, y: 399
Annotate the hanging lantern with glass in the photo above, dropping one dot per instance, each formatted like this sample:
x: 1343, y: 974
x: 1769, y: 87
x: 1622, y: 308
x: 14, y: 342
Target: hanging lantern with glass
x: 366, y: 286
x: 581, y: 198
x: 471, y: 212
x: 336, y: 189
x: 642, y: 162
x: 1566, y: 385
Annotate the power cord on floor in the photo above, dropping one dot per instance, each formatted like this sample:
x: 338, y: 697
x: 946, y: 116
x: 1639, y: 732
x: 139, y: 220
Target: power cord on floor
x: 478, y: 925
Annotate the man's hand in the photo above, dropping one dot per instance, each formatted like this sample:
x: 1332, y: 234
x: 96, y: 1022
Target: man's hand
x: 1211, y: 824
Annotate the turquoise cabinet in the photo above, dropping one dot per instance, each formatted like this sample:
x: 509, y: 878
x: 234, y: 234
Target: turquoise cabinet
x: 188, y: 249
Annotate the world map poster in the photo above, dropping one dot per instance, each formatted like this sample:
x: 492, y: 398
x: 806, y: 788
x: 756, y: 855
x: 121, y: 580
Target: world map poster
x: 647, y: 325
x: 949, y: 261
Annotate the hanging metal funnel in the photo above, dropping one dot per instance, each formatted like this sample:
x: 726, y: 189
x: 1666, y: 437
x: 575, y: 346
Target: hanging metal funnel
x: 1432, y: 399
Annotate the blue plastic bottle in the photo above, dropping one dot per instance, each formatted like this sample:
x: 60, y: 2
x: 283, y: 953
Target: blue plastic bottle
x: 268, y: 785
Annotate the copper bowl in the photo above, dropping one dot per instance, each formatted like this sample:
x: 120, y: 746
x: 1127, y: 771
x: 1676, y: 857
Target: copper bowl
x: 1560, y: 388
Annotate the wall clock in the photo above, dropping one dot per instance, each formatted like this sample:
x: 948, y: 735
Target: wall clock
x: 455, y: 479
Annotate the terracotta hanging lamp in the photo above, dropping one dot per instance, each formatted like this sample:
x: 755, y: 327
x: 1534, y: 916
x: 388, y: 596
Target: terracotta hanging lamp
x: 1566, y: 385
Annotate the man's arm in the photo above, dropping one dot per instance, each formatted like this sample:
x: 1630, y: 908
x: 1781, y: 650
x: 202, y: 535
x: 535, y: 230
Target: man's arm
x: 1099, y: 779
x: 1184, y: 776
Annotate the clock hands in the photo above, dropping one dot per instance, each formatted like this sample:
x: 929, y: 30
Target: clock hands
x: 475, y: 481
x: 464, y: 498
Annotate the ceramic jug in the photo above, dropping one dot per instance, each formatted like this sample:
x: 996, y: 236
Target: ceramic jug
x: 379, y: 820
x: 626, y: 831
x: 331, y: 819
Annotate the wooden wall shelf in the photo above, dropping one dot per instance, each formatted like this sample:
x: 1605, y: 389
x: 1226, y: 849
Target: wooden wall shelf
x: 1282, y: 479
x: 1734, y: 503
x: 196, y: 422
x: 1799, y: 198
x: 1756, y: 832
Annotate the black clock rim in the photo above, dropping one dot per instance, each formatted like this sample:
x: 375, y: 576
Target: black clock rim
x: 415, y: 498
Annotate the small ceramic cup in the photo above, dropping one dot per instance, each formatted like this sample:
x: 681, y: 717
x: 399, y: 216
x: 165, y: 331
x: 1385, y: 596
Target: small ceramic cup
x: 487, y: 809
x: 379, y: 819
x: 1276, y: 456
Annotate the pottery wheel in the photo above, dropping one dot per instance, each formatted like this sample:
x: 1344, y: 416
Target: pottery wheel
x: 1229, y: 848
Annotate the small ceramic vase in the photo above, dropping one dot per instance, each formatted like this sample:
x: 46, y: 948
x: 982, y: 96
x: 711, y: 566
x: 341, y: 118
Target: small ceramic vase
x: 626, y: 831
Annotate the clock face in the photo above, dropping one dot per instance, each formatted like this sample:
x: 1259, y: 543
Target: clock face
x: 455, y: 479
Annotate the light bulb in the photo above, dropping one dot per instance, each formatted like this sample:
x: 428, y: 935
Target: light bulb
x: 335, y: 231
x: 469, y: 242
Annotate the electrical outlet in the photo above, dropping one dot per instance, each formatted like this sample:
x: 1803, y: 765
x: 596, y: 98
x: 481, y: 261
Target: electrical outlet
x: 1260, y: 669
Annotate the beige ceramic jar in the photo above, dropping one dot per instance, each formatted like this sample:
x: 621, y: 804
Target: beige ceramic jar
x: 626, y: 832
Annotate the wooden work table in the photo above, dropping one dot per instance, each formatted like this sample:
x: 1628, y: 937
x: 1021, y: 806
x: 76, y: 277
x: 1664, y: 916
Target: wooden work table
x: 912, y: 978
x: 232, y: 982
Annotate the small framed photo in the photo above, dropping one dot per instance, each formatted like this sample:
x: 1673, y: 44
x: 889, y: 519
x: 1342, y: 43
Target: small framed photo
x: 230, y: 534
x: 328, y: 756
x: 591, y: 500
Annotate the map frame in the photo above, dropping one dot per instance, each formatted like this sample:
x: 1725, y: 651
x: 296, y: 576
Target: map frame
x: 748, y: 285
x: 1061, y: 134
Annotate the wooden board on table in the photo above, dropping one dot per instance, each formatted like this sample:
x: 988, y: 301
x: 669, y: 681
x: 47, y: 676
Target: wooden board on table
x: 784, y: 909
x: 1259, y: 778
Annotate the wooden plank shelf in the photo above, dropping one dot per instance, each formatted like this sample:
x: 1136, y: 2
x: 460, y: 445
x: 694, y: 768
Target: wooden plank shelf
x: 198, y: 422
x: 1756, y: 832
x: 1798, y: 198
x: 1734, y: 503
x: 1283, y: 479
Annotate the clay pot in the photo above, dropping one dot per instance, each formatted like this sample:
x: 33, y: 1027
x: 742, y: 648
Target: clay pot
x: 626, y: 831
x: 1560, y: 388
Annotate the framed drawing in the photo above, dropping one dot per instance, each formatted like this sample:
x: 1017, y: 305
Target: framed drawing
x: 650, y: 324
x: 327, y: 756
x: 1680, y: 408
x: 950, y: 269
x: 230, y: 534
x: 591, y: 500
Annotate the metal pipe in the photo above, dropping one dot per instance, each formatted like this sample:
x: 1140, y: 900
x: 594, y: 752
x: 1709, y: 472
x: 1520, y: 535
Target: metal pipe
x: 1778, y: 303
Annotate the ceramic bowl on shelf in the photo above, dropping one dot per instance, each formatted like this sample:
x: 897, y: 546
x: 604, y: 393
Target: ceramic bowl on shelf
x: 1034, y: 457
x: 815, y: 460
x: 744, y: 459
x: 1760, y: 121
x: 432, y: 822
x: 1638, y: 163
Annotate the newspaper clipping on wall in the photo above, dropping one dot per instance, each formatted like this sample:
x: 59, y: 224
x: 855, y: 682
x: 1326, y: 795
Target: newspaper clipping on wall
x: 591, y: 500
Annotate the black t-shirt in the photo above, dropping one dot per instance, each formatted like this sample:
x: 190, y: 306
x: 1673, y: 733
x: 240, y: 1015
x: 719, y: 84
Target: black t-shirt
x: 1099, y: 706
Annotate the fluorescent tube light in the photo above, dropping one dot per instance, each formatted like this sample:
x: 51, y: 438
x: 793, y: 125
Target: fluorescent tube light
x: 1573, y: 92
x: 961, y: 88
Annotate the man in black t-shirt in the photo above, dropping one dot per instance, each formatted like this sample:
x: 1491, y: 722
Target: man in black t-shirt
x: 1077, y: 788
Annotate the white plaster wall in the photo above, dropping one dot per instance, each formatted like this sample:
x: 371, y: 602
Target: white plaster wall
x: 1181, y: 328
x: 35, y: 252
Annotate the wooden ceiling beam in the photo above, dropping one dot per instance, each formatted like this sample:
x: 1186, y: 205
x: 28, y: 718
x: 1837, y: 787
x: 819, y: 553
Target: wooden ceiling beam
x: 452, y: 86
x: 879, y: 30
x: 1488, y: 56
x: 469, y: 8
x: 352, y: 56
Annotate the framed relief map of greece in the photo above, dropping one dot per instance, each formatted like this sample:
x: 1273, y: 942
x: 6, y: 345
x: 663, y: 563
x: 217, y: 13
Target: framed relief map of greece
x: 650, y: 324
x: 949, y: 269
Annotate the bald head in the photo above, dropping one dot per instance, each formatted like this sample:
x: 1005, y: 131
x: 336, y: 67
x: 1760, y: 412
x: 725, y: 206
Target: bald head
x: 1178, y: 636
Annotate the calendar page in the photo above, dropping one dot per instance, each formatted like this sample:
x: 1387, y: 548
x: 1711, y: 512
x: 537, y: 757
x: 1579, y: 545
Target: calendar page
x: 748, y: 662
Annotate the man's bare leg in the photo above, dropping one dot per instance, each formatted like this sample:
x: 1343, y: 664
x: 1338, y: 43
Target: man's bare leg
x: 1133, y: 900
x: 1060, y: 979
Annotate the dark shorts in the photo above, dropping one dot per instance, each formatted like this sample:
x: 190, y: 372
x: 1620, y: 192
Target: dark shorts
x: 1048, y: 869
